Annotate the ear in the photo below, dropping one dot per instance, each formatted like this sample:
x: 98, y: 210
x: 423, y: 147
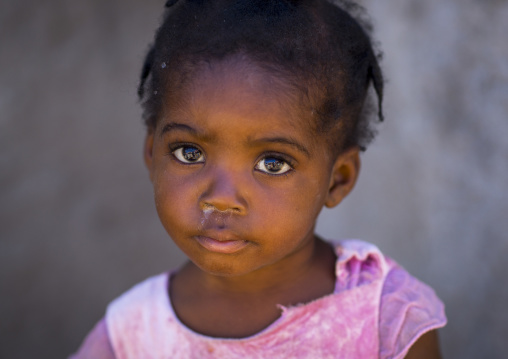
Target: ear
x: 148, y: 152
x: 343, y: 177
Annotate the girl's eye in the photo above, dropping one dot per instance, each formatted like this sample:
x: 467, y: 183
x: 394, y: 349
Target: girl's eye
x: 189, y: 154
x: 273, y: 165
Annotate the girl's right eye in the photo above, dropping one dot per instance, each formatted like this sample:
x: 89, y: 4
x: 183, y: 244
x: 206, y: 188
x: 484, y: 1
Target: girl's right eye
x: 189, y: 154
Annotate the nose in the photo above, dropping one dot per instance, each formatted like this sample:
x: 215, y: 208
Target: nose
x: 224, y: 192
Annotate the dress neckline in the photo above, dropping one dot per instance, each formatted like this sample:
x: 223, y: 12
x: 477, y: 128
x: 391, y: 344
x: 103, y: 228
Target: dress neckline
x: 285, y: 310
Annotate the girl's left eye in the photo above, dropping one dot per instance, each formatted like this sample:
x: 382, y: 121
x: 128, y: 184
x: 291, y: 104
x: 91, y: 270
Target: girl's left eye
x: 273, y: 166
x: 189, y: 154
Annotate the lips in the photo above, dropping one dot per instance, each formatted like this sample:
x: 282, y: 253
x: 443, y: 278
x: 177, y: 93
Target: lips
x: 222, y: 245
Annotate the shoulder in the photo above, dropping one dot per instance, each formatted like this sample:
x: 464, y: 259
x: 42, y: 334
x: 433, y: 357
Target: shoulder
x: 137, y: 297
x: 407, y: 308
x: 124, y: 318
x: 359, y: 263
x: 139, y: 318
x: 96, y: 345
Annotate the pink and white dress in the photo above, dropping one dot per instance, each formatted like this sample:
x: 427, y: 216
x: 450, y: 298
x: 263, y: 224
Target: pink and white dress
x: 377, y: 310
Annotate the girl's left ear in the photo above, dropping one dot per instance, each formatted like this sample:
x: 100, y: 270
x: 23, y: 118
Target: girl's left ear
x: 148, y: 152
x: 343, y: 177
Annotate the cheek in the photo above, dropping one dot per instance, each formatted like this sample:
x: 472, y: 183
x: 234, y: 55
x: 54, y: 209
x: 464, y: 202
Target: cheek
x: 174, y: 198
x: 307, y: 195
x: 294, y: 208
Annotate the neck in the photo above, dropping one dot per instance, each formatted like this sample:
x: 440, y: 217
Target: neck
x: 235, y: 307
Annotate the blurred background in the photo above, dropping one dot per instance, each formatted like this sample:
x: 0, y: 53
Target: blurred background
x: 77, y: 221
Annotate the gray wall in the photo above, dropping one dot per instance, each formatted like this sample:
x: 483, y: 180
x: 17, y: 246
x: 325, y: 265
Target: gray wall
x: 77, y: 223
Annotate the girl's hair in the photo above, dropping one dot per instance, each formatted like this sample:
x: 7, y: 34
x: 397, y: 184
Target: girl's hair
x: 321, y: 54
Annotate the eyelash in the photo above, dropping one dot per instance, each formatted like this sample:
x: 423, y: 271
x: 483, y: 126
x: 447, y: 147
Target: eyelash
x: 275, y: 155
x: 176, y: 146
x: 280, y: 157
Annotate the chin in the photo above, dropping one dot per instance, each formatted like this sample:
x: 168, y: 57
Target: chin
x: 225, y: 270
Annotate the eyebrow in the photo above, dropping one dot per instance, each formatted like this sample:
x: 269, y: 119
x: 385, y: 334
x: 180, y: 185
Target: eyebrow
x: 286, y: 141
x: 172, y: 126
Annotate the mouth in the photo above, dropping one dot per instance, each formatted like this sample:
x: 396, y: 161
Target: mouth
x: 226, y: 246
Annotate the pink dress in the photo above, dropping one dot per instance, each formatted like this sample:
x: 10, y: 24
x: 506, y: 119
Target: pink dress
x: 377, y: 310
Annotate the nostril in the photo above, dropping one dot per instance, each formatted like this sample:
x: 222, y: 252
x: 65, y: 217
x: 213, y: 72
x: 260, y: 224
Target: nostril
x: 208, y: 208
x: 223, y: 193
x: 217, y: 217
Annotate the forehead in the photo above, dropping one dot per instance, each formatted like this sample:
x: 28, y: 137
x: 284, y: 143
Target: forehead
x: 237, y: 85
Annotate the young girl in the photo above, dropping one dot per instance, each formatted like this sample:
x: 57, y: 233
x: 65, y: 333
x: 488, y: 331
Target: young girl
x: 255, y: 114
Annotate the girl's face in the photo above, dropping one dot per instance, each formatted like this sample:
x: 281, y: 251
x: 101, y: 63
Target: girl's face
x: 239, y: 176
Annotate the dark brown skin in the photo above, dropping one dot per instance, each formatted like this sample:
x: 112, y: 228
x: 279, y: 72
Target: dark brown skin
x: 226, y: 116
x: 235, y: 126
x: 236, y: 294
x: 246, y: 311
x: 426, y: 347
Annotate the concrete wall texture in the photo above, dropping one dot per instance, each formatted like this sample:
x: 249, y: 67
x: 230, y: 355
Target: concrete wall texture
x: 77, y: 222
